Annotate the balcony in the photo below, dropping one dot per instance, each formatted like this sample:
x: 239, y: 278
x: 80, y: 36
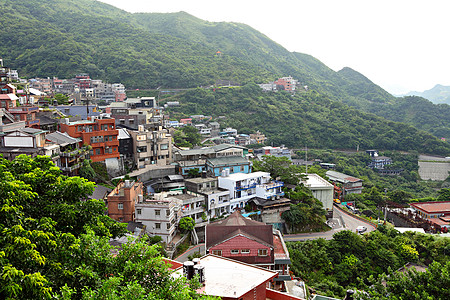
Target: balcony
x: 23, y: 109
x: 112, y: 143
x: 70, y: 153
x: 245, y: 187
x: 70, y: 169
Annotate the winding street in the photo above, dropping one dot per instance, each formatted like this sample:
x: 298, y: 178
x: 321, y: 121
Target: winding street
x: 341, y: 221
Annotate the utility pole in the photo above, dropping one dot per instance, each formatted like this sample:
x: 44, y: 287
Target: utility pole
x: 306, y: 159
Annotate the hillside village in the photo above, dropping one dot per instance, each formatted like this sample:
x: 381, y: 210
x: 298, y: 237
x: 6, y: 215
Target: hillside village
x: 160, y: 177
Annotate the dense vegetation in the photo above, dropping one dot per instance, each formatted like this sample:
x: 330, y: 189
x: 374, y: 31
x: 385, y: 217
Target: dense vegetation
x: 306, y: 212
x: 402, y: 189
x: 54, y: 242
x: 61, y: 38
x: 307, y: 118
x: 353, y: 261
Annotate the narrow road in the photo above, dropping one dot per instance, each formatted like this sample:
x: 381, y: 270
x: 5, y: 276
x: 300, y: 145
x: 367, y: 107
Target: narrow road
x: 350, y: 223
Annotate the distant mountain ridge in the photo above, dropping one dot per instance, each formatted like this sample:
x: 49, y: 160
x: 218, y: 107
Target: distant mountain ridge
x: 46, y: 38
x: 438, y: 94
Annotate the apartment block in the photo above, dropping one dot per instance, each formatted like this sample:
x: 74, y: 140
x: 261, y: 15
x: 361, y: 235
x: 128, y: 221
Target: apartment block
x: 100, y: 133
x: 159, y: 215
x: 122, y: 200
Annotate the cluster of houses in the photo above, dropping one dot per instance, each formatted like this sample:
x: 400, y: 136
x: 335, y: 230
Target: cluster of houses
x: 288, y: 84
x: 82, y: 87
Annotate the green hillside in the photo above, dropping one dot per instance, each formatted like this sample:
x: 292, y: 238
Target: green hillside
x: 45, y: 38
x: 308, y: 118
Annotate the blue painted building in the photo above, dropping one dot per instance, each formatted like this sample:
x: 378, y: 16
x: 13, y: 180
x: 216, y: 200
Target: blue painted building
x: 236, y: 164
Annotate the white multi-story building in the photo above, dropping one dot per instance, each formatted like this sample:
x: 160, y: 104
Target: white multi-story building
x: 158, y: 214
x: 243, y: 187
x: 192, y: 205
x: 321, y: 189
x: 217, y: 200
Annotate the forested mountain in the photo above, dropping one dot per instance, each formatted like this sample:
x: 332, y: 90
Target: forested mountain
x: 438, y: 94
x: 45, y: 38
x: 308, y: 118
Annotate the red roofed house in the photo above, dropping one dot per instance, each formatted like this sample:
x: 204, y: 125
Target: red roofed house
x: 186, y: 121
x: 251, y: 242
x: 437, y: 212
x: 350, y: 184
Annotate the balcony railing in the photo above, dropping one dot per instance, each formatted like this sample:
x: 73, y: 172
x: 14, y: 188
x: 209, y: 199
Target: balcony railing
x: 70, y: 169
x: 273, y: 185
x: 246, y: 187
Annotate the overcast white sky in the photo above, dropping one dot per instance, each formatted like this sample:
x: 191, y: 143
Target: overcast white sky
x: 401, y: 45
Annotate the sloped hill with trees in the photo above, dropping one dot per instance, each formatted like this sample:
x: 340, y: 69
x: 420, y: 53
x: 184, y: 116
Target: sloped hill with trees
x: 45, y: 38
x: 307, y: 118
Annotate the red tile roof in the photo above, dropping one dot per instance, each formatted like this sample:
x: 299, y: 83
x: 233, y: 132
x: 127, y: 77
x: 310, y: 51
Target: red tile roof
x: 433, y: 207
x: 217, y: 232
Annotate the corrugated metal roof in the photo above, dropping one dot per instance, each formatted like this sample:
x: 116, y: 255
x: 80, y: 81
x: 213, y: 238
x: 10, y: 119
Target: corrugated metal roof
x: 62, y: 139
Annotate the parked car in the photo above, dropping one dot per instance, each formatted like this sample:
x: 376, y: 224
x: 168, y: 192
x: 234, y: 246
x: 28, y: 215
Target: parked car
x: 361, y: 229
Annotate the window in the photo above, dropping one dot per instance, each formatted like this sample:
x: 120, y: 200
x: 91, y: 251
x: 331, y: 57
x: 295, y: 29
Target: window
x: 167, y: 212
x: 262, y: 252
x: 158, y: 225
x: 168, y: 225
x: 164, y: 146
x: 245, y: 251
x: 139, y: 211
x: 120, y: 206
x: 97, y: 151
x: 217, y: 252
x: 157, y: 212
x: 141, y: 149
x: 235, y: 251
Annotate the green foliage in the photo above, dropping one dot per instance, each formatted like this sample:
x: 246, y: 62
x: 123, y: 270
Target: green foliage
x: 350, y: 260
x: 100, y: 171
x: 54, y: 242
x: 187, y: 136
x: 431, y: 284
x: 65, y: 37
x: 186, y: 224
x: 401, y: 189
x: 279, y: 168
x: 62, y: 99
x: 86, y: 170
x: 307, y: 118
x: 306, y: 213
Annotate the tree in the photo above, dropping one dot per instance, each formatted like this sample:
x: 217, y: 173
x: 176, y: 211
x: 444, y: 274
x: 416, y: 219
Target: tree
x: 187, y: 136
x: 431, y: 284
x: 279, y: 167
x: 186, y: 224
x: 62, y: 99
x: 86, y: 170
x: 54, y: 241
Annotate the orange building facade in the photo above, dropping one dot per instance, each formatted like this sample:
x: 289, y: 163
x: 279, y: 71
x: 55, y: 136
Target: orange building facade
x: 122, y: 200
x: 101, y: 134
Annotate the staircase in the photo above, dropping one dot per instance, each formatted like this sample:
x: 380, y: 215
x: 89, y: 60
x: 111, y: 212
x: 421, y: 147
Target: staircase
x: 8, y: 115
